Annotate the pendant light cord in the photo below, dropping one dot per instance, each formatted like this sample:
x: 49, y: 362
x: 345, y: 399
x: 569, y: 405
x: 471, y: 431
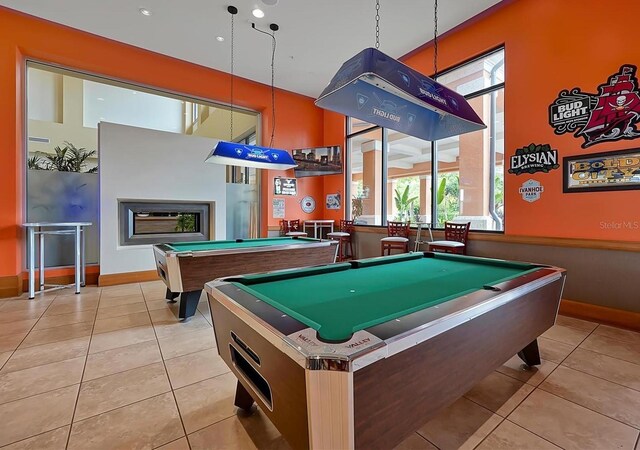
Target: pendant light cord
x: 233, y: 11
x: 272, y: 35
x: 377, y: 23
x: 435, y: 39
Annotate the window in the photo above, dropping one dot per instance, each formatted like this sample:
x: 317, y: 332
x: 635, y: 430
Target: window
x: 399, y: 177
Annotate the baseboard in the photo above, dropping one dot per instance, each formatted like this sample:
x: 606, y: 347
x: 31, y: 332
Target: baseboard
x: 10, y: 286
x: 610, y: 316
x: 90, y: 279
x: 127, y: 277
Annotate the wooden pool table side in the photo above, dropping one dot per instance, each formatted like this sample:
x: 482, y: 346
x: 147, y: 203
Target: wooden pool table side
x: 185, y: 273
x: 378, y: 405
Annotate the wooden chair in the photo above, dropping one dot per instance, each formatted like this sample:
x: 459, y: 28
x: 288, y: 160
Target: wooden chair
x: 455, y: 239
x: 344, y: 237
x: 291, y: 228
x: 397, y: 238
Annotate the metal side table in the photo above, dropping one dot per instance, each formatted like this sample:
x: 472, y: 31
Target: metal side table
x: 41, y: 229
x: 419, y: 238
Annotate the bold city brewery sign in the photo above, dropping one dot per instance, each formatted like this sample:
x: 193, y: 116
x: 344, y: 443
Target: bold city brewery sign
x: 610, y: 115
x: 534, y: 158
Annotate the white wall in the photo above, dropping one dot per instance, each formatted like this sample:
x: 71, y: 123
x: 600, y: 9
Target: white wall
x: 106, y: 103
x: 141, y: 164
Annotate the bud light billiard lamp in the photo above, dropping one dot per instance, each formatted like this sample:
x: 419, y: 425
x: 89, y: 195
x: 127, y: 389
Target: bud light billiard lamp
x: 235, y: 154
x: 380, y: 90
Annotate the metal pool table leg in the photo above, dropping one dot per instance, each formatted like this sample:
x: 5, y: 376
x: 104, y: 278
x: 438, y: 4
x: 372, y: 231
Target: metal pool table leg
x: 530, y: 354
x: 243, y: 399
x: 171, y: 296
x: 189, y: 303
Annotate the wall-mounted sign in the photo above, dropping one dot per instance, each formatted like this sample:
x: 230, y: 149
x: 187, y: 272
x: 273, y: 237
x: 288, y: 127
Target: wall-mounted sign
x: 333, y: 201
x: 531, y: 191
x: 278, y: 208
x: 609, y: 115
x: 285, y: 186
x: 602, y: 171
x: 534, y: 158
x: 308, y: 204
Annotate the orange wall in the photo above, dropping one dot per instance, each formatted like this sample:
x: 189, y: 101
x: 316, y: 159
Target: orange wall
x: 551, y: 45
x: 300, y: 123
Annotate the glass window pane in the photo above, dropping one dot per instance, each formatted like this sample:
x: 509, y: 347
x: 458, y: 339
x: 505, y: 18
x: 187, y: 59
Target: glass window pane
x: 366, y: 177
x: 476, y: 75
x: 356, y: 125
x: 465, y: 182
x: 408, y: 178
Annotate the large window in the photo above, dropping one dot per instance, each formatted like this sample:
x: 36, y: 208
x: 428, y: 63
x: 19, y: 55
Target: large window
x: 64, y: 109
x: 461, y: 178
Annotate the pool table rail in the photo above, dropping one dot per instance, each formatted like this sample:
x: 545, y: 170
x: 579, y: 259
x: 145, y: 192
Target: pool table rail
x: 381, y: 341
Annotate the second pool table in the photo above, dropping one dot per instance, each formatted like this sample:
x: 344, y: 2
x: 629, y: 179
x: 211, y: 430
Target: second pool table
x: 185, y: 267
x: 361, y: 354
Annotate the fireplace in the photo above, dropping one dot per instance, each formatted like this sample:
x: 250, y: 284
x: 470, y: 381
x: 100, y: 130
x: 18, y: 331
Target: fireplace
x: 154, y: 221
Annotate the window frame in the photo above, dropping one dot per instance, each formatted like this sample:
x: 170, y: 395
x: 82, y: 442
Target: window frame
x: 434, y: 149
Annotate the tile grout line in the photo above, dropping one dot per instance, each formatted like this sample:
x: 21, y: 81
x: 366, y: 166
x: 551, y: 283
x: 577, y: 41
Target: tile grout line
x: 30, y: 330
x: 491, y: 432
x: 86, y: 358
x: 535, y: 434
x: 600, y: 378
x: 166, y: 371
x: 514, y: 408
x: 35, y: 435
x: 589, y: 409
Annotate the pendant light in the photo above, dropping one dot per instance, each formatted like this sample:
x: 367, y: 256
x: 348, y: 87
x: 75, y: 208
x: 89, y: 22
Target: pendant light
x: 378, y: 89
x: 244, y: 155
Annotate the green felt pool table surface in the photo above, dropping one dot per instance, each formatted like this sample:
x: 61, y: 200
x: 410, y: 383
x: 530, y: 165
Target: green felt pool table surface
x: 340, y: 299
x: 239, y: 243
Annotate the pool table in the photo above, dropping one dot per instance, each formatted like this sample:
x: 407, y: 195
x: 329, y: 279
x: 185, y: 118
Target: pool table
x: 185, y: 267
x: 361, y: 354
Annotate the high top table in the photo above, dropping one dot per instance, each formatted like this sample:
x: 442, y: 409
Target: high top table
x: 55, y: 228
x: 318, y: 225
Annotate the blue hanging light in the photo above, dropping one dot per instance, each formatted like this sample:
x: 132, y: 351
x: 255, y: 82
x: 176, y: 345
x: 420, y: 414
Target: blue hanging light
x: 380, y: 90
x: 245, y: 155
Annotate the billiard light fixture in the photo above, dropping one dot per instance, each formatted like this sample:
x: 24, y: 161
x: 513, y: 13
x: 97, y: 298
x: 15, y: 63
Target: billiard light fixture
x: 244, y: 155
x: 380, y: 90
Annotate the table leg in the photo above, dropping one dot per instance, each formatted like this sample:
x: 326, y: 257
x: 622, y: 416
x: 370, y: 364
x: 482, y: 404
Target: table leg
x: 32, y: 262
x: 83, y: 264
x: 77, y: 258
x: 189, y: 303
x: 243, y: 399
x: 530, y: 354
x: 171, y: 296
x: 41, y: 264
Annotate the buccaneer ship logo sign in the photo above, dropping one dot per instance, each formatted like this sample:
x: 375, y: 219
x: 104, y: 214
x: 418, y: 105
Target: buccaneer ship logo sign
x: 610, y: 115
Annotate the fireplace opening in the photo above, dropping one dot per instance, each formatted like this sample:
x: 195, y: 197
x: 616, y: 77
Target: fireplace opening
x: 154, y: 222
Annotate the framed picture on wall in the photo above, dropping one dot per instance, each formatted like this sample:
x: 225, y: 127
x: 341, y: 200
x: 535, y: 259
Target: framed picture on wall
x: 607, y: 171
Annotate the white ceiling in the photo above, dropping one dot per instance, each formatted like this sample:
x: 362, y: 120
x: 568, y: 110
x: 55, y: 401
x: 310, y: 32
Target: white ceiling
x: 314, y: 39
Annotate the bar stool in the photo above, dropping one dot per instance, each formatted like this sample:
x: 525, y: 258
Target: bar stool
x: 397, y: 238
x: 291, y: 228
x: 344, y: 237
x: 419, y: 238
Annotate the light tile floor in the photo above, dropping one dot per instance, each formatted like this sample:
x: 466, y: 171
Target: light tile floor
x: 114, y: 368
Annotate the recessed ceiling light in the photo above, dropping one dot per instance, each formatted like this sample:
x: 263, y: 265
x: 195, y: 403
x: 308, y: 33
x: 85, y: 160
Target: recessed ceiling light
x: 258, y: 13
x: 145, y: 12
x: 100, y: 99
x: 219, y: 38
